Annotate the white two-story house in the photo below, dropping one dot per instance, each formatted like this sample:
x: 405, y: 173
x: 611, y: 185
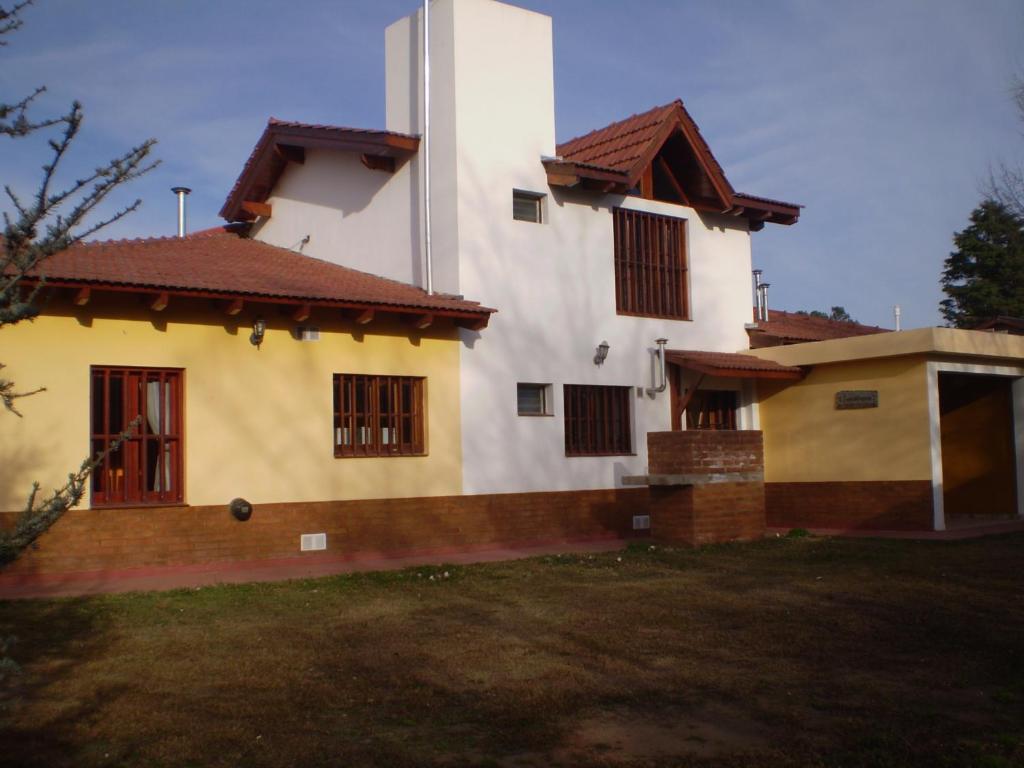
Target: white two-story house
x: 591, y: 250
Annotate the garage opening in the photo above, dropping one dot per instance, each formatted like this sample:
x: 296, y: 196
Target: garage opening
x: 978, y: 463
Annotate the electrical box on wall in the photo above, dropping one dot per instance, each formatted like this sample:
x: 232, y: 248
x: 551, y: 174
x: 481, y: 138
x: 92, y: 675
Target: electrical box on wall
x: 311, y: 542
x: 641, y: 522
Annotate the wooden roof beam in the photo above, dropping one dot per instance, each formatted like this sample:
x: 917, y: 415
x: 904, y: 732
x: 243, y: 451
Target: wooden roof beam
x: 360, y: 316
x: 378, y: 163
x: 473, y: 323
x: 302, y: 313
x: 82, y: 296
x: 290, y: 153
x: 159, y: 302
x: 667, y: 170
x: 257, y: 208
x: 421, y: 322
x: 232, y: 308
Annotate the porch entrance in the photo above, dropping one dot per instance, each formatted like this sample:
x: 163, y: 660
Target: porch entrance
x: 978, y: 457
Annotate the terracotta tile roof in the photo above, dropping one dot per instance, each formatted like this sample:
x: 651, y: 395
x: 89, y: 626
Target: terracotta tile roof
x: 620, y: 145
x: 626, y: 147
x: 264, y: 166
x: 799, y: 327
x: 1002, y: 324
x: 731, y: 364
x: 221, y: 262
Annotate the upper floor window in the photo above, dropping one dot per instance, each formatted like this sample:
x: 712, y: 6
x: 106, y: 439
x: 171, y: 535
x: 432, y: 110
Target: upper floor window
x: 651, y: 275
x: 147, y: 467
x: 378, y: 415
x: 527, y: 206
x: 597, y: 420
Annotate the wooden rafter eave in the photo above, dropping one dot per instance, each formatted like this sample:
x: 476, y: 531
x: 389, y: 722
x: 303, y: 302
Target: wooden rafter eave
x: 82, y: 293
x: 733, y: 373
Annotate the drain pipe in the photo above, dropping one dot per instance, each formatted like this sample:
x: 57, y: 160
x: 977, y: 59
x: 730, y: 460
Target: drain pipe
x: 663, y: 377
x: 426, y: 148
x: 181, y: 192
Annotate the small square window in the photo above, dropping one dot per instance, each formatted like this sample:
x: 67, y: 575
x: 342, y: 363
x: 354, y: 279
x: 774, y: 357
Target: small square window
x: 533, y: 399
x: 526, y: 206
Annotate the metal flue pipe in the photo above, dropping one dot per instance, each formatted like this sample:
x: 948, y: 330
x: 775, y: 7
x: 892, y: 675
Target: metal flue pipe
x: 757, y: 294
x: 896, y: 312
x: 182, y: 193
x: 763, y: 290
x: 663, y: 375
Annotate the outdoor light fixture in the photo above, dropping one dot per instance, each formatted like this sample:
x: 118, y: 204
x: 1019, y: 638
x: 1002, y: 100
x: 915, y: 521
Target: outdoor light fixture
x: 602, y: 353
x: 259, y: 327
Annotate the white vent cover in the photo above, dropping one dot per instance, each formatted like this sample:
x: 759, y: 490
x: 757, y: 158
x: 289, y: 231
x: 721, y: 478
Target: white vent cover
x: 641, y: 522
x: 308, y: 333
x: 309, y: 542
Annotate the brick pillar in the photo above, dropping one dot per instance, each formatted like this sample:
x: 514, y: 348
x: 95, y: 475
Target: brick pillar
x: 707, y: 510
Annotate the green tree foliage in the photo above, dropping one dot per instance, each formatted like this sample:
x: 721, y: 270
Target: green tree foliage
x: 53, y: 218
x: 838, y: 314
x: 984, y: 276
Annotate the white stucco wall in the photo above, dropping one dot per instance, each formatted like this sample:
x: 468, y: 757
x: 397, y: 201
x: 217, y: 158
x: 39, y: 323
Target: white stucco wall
x: 362, y: 218
x: 492, y: 119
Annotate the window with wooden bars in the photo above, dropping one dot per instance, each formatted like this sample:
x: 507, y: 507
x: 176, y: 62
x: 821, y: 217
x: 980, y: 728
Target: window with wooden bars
x: 651, y: 275
x: 147, y: 468
x: 597, y: 421
x: 712, y: 409
x: 378, y: 415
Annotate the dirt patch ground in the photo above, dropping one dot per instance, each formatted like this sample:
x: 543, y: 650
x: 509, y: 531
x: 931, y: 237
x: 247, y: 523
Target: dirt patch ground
x: 788, y: 652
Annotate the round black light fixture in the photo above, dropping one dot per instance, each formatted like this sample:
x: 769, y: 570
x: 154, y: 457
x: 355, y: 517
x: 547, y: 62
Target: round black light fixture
x: 241, y: 509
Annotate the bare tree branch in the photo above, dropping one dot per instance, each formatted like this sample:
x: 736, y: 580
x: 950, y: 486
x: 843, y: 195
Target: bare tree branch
x: 39, y: 514
x: 8, y: 395
x: 10, y: 19
x: 50, y: 222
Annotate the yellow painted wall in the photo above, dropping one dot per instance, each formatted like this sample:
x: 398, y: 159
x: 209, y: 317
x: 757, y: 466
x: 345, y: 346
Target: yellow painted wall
x: 258, y: 422
x: 807, y: 440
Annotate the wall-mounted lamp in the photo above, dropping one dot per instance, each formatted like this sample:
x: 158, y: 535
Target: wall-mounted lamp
x: 259, y: 327
x: 602, y: 353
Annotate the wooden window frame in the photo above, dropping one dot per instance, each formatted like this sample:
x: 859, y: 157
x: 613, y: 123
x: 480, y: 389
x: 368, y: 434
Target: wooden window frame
x: 713, y: 410
x: 652, y: 276
x: 598, y: 420
x: 536, y: 198
x: 120, y: 480
x: 391, y: 422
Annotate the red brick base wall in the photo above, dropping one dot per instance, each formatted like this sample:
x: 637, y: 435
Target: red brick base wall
x: 114, y: 539
x: 707, y: 514
x: 880, y: 505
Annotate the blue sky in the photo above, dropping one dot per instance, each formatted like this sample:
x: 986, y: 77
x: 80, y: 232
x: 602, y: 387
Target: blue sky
x: 881, y: 117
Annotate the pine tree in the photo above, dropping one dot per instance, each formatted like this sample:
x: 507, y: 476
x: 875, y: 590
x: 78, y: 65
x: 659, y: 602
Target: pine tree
x: 984, y: 276
x: 39, y: 226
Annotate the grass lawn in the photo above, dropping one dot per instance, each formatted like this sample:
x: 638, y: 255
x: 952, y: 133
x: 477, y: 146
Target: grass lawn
x: 788, y: 652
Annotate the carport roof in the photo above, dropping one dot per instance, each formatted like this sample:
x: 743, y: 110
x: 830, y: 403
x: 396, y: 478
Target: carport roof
x: 930, y: 342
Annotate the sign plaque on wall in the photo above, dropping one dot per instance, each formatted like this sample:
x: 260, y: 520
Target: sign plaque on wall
x: 851, y: 399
